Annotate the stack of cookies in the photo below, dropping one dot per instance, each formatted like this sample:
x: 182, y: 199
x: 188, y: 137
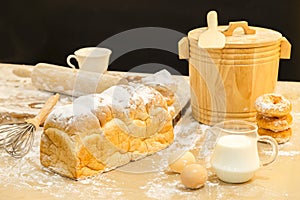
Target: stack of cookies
x: 273, y: 117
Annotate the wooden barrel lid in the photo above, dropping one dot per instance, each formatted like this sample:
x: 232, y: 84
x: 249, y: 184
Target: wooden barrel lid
x: 239, y: 39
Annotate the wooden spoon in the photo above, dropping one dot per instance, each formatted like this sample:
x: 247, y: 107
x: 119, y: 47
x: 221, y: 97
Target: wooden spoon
x: 212, y: 38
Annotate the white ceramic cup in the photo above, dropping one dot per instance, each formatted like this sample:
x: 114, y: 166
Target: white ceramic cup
x: 235, y: 157
x: 94, y: 59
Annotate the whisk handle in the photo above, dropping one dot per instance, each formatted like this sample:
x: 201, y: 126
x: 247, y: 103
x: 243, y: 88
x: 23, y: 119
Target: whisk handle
x: 44, y: 112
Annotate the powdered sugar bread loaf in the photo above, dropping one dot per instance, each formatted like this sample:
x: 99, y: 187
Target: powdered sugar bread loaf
x: 100, y: 132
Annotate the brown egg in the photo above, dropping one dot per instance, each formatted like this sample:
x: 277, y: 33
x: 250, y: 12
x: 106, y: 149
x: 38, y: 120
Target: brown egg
x: 193, y: 176
x: 177, y: 165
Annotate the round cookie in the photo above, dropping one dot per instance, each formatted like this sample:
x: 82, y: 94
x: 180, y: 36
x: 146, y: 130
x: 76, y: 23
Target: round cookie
x: 274, y: 123
x: 280, y: 136
x: 273, y: 105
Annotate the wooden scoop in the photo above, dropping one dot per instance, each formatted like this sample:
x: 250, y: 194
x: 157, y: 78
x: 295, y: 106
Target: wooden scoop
x: 212, y: 38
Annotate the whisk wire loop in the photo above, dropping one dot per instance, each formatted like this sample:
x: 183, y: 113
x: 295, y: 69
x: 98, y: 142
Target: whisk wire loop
x: 17, y: 139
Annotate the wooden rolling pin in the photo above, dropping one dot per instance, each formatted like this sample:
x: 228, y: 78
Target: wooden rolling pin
x: 69, y: 81
x: 73, y: 82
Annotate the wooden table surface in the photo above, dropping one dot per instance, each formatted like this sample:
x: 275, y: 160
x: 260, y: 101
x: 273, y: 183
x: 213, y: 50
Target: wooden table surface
x: 26, y: 179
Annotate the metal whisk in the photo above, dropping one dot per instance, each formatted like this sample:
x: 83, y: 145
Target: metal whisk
x: 17, y: 139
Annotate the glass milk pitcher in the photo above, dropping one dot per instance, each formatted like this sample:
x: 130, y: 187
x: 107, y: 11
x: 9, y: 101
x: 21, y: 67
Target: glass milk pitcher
x: 235, y: 155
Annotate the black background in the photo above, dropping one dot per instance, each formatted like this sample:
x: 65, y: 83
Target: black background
x: 49, y: 30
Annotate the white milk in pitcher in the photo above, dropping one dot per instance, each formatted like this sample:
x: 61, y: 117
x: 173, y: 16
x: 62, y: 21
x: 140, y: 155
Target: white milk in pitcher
x: 235, y: 158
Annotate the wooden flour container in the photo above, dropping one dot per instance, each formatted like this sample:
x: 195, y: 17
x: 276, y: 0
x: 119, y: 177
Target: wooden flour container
x: 226, y: 82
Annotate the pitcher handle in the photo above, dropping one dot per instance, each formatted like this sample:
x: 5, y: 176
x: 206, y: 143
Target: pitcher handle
x: 273, y: 143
